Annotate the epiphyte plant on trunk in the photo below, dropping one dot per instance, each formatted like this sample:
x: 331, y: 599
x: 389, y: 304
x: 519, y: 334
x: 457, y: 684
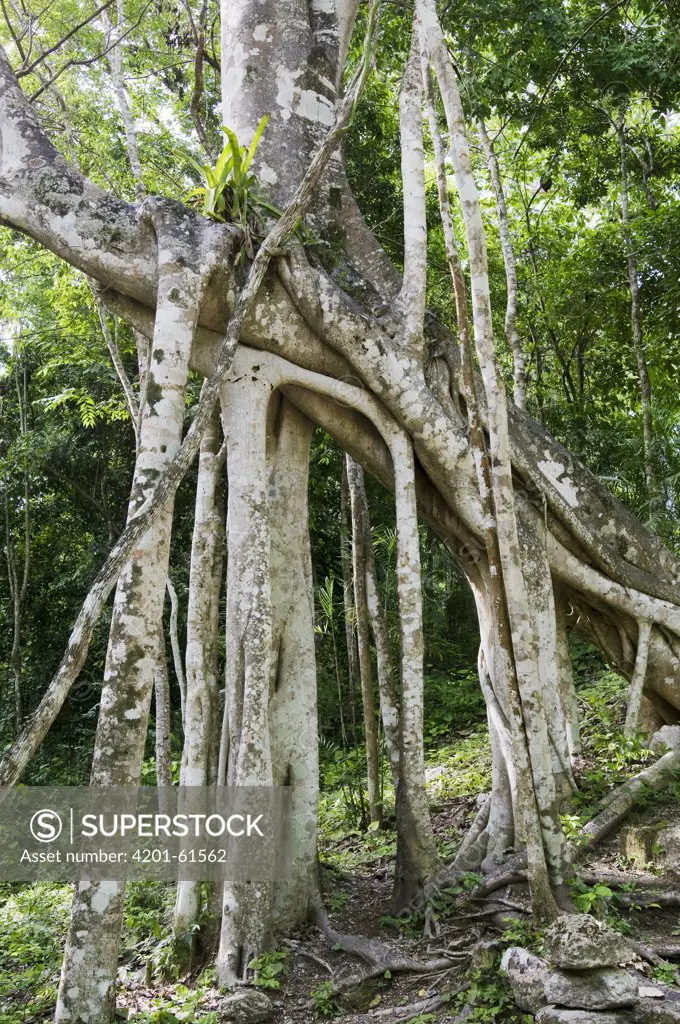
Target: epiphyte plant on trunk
x: 230, y: 192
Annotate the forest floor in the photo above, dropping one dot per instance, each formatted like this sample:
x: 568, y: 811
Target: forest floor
x: 470, y: 988
x: 302, y: 976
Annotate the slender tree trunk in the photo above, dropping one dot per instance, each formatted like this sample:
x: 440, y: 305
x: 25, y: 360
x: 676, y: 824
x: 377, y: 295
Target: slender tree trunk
x: 163, y: 720
x: 388, y: 698
x: 512, y: 812
x: 177, y: 661
x: 411, y: 298
x: 567, y: 689
x: 416, y: 853
x: 115, y: 57
x: 201, y: 720
x: 515, y: 596
x: 18, y: 576
x: 348, y: 587
x: 511, y: 333
x: 638, y: 680
x: 355, y: 479
x: 87, y: 988
x: 636, y: 321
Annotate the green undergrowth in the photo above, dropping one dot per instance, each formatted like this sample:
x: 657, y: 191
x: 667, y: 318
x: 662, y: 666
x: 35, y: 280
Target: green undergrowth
x: 180, y: 1005
x: 34, y: 918
x: 453, y: 771
x: 33, y: 926
x: 609, y: 758
x: 458, y: 766
x: 33, y: 923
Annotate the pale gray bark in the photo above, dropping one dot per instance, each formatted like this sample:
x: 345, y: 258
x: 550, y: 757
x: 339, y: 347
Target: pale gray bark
x: 388, y: 699
x: 111, y: 339
x: 293, y: 725
x: 638, y: 680
x: 411, y: 298
x: 565, y: 682
x: 416, y: 849
x: 87, y: 988
x: 650, y: 780
x: 511, y: 332
x: 115, y: 57
x: 246, y: 913
x: 348, y: 587
x: 201, y: 713
x: 300, y: 108
x: 524, y: 638
x: 615, y: 563
x: 271, y: 671
x: 355, y: 479
x: 416, y: 854
x: 216, y: 246
x: 177, y: 660
x: 593, y: 515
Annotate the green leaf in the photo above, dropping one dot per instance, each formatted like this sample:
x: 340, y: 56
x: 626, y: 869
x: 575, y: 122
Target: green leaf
x: 235, y: 149
x: 254, y: 144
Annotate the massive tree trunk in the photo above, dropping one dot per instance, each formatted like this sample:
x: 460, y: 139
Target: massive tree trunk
x: 271, y: 672
x: 246, y: 919
x: 293, y: 722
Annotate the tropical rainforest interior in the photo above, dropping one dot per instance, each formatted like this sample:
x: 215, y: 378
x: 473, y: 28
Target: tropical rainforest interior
x: 444, y: 485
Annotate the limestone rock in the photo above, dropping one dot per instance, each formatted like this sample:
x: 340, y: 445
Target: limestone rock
x: 668, y: 849
x: 661, y: 1008
x: 247, y: 1007
x: 579, y: 942
x: 666, y: 738
x: 639, y: 844
x: 653, y: 1012
x: 603, y: 988
x: 526, y: 974
x: 559, y: 1015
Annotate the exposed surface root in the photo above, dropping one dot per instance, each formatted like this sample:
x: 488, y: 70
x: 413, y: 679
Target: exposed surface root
x: 616, y: 879
x: 621, y: 801
x: 375, y: 953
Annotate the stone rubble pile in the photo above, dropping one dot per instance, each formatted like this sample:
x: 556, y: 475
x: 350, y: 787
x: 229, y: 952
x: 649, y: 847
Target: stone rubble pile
x: 581, y: 979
